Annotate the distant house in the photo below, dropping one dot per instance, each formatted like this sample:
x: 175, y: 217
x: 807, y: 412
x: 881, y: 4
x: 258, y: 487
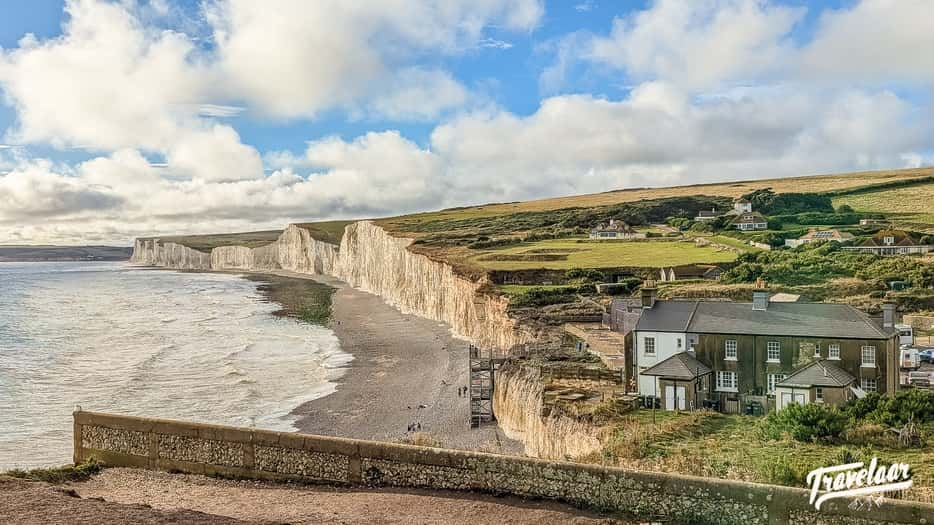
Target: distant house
x: 750, y: 221
x: 741, y: 206
x: 704, y: 215
x: 819, y: 235
x: 891, y: 242
x: 871, y: 222
x: 690, y: 271
x: 615, y: 230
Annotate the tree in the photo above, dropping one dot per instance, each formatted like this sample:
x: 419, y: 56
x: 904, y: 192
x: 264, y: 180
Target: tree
x: 844, y: 208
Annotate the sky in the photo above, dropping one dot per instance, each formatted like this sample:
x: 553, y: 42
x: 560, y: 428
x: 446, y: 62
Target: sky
x: 129, y: 118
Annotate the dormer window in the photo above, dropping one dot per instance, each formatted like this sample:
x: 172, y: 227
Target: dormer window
x: 888, y: 240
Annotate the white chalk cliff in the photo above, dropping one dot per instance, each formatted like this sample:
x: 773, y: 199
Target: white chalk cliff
x: 368, y: 258
x: 517, y: 403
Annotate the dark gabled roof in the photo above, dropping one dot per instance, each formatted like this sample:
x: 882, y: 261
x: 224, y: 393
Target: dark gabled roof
x: 779, y: 319
x: 900, y: 237
x: 749, y: 217
x: 682, y: 365
x: 667, y: 316
x: 705, y: 213
x: 818, y: 373
x: 786, y: 319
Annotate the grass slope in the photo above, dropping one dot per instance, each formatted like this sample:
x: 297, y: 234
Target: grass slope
x: 563, y: 254
x: 912, y: 205
x: 206, y: 243
x: 804, y: 184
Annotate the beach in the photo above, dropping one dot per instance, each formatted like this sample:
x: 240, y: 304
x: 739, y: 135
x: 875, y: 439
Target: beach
x: 406, y: 371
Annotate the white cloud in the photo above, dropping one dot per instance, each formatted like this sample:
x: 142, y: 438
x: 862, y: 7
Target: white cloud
x: 272, y: 59
x: 494, y: 43
x: 875, y: 41
x: 219, y: 110
x: 416, y: 94
x: 699, y: 44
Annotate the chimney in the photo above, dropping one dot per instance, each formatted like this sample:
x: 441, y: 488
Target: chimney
x: 888, y: 315
x: 648, y: 294
x: 760, y: 296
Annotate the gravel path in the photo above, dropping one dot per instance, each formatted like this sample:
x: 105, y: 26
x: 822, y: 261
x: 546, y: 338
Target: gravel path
x: 256, y: 501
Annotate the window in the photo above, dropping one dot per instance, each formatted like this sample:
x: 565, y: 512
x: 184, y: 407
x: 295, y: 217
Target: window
x: 888, y: 241
x: 726, y: 381
x: 816, y: 349
x: 774, y: 352
x: 649, y: 344
x: 730, y: 350
x: 819, y: 395
x: 833, y: 351
x: 869, y: 356
x: 869, y: 385
x: 679, y: 342
x: 775, y: 379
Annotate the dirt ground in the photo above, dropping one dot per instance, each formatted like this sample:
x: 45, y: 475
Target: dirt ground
x: 138, y: 496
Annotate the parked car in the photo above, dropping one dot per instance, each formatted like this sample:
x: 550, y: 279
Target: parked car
x: 921, y: 379
x: 926, y: 356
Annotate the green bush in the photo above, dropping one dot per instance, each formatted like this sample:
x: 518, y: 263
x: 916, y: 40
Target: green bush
x: 894, y: 411
x: 807, y: 423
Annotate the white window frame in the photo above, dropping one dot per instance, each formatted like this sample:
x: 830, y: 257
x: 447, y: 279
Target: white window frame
x: 833, y: 351
x: 816, y: 349
x: 721, y: 383
x: 868, y: 363
x: 818, y: 395
x: 645, y: 345
x: 728, y: 346
x: 775, y: 379
x: 771, y: 346
x: 679, y: 342
x: 866, y: 382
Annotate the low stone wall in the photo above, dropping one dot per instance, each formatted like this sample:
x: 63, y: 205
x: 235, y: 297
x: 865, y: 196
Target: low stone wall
x: 219, y: 450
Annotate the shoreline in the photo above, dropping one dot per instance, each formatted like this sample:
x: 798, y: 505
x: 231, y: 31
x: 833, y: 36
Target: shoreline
x: 405, y: 370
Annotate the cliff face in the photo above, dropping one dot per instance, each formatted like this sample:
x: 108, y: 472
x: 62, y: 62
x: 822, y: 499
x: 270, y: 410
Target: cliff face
x: 373, y: 260
x: 153, y: 252
x: 517, y: 403
x: 370, y: 259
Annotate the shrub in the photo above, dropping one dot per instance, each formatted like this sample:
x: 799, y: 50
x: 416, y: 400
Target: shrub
x: 806, y: 423
x: 894, y: 411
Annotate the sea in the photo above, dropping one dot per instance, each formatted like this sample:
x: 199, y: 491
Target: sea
x: 110, y: 337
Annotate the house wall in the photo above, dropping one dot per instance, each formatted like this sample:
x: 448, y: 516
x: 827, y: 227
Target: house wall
x: 752, y: 369
x: 666, y: 345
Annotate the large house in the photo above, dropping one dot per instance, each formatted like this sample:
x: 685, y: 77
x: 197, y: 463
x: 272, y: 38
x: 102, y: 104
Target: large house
x: 706, y: 216
x: 692, y: 354
x: 819, y: 235
x: 891, y: 242
x: 750, y: 221
x: 741, y: 206
x: 615, y: 230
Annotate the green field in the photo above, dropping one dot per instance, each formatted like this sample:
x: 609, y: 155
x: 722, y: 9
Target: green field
x: 562, y: 254
x: 910, y: 205
x: 327, y: 231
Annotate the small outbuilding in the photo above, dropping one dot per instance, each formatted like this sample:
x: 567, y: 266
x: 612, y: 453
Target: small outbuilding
x: 819, y: 381
x: 683, y: 381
